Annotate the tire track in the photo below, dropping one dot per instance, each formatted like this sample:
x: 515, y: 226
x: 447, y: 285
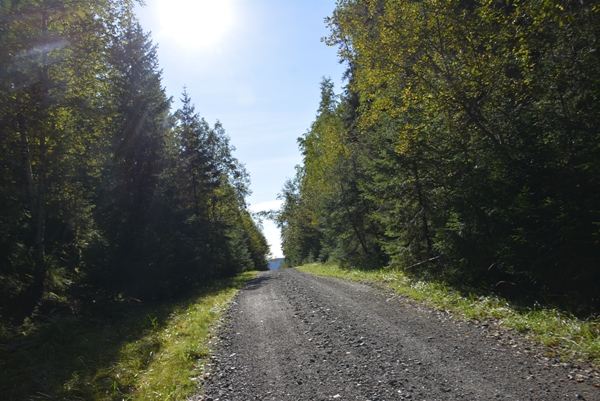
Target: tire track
x: 292, y: 336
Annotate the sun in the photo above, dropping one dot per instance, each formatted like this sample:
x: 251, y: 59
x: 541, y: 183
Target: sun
x: 194, y: 23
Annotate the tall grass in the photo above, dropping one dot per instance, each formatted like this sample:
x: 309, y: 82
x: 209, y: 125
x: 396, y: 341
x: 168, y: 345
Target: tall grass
x: 570, y: 338
x: 139, y: 352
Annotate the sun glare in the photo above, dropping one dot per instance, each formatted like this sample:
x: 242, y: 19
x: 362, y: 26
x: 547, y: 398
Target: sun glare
x: 194, y: 23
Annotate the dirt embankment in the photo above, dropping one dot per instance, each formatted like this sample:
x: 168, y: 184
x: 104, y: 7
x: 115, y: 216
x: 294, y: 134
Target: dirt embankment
x: 292, y: 336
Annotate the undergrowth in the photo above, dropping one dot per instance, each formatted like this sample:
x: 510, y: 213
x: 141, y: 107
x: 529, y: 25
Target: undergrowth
x: 125, y: 352
x: 570, y: 338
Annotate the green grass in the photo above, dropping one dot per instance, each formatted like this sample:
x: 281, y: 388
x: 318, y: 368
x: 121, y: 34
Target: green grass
x: 139, y: 352
x: 569, y: 338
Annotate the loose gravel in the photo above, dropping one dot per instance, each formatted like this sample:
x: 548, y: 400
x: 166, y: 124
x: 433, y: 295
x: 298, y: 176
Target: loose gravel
x: 292, y: 336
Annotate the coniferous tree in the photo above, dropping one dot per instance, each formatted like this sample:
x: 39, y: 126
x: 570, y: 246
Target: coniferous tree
x: 52, y: 57
x: 469, y: 151
x: 127, y: 205
x: 103, y: 192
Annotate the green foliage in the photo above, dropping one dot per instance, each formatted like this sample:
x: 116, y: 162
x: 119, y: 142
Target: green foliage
x: 325, y: 214
x: 465, y: 147
x: 300, y: 239
x: 126, y: 350
x: 109, y: 202
x: 104, y: 192
x: 52, y: 127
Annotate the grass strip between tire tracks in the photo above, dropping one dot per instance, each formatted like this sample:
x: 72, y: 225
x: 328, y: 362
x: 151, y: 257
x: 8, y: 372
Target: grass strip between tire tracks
x: 567, y: 337
x: 148, y: 352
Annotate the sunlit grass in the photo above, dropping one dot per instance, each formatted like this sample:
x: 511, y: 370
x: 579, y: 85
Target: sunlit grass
x: 153, y: 352
x: 569, y: 337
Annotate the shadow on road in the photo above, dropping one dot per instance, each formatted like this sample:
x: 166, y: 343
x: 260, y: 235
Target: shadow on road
x: 257, y: 283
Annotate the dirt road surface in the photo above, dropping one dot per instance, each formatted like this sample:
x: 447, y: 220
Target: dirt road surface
x: 293, y: 336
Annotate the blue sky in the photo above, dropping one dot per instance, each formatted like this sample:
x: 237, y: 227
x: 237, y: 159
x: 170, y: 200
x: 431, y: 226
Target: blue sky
x: 256, y: 66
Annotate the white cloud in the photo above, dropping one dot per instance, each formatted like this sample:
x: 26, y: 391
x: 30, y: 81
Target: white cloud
x: 273, y: 237
x: 270, y: 229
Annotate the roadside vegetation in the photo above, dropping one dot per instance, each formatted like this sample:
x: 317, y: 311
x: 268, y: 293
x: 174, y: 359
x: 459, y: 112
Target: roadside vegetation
x: 459, y: 163
x: 113, y: 207
x: 568, y: 337
x: 463, y: 149
x: 105, y: 190
x: 126, y: 351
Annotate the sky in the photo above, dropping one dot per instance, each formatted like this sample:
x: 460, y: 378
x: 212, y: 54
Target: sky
x: 254, y: 65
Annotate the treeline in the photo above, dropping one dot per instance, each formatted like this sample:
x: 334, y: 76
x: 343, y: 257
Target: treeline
x: 465, y: 146
x: 104, y: 192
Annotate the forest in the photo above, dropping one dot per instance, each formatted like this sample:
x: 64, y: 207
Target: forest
x: 464, y: 148
x: 106, y: 193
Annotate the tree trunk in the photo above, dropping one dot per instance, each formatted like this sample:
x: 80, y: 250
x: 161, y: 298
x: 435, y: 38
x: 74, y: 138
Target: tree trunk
x: 37, y: 193
x: 423, y: 213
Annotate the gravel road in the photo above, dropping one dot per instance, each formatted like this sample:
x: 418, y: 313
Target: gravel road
x: 292, y: 336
